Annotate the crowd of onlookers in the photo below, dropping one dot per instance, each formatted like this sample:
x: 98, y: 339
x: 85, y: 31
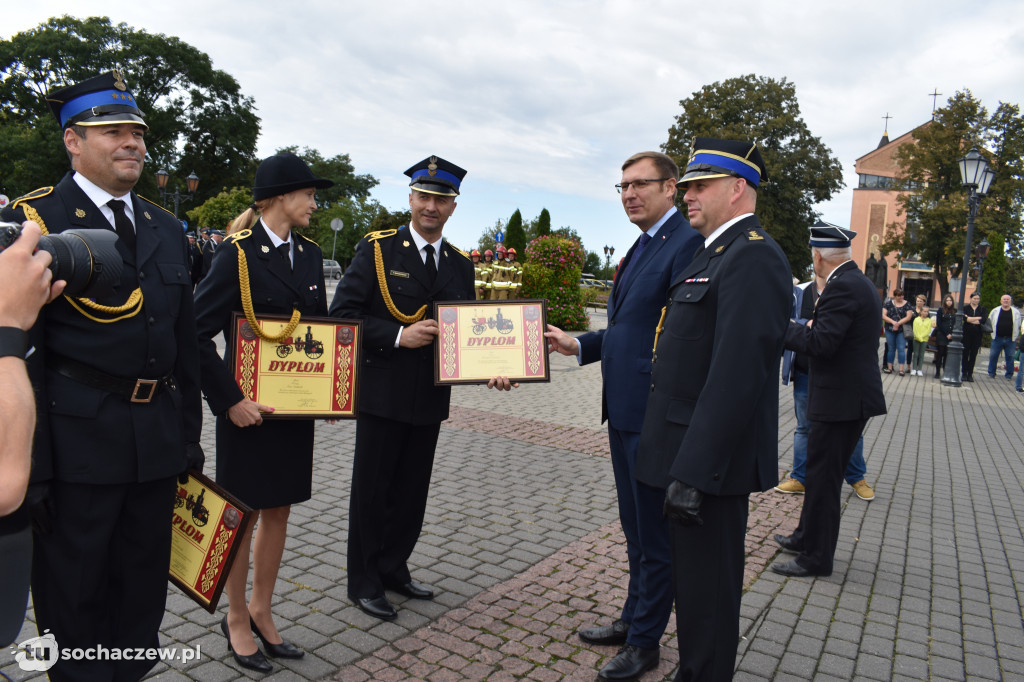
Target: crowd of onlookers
x: 911, y: 329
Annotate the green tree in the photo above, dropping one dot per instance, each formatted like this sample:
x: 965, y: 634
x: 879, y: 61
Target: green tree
x: 487, y: 240
x: 993, y: 279
x: 188, y: 105
x: 339, y: 168
x: 933, y: 198
x: 543, y: 223
x: 218, y: 211
x: 1014, y: 278
x: 594, y: 265
x: 515, y: 235
x: 802, y: 170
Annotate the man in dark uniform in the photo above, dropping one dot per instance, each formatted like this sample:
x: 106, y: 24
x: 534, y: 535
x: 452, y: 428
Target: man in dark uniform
x: 710, y: 434
x: 663, y: 250
x: 195, y: 259
x: 841, y: 344
x: 209, y: 248
x: 400, y: 409
x: 117, y: 385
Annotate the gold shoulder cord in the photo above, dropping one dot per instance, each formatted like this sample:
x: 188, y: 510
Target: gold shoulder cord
x: 243, y: 286
x: 134, y: 299
x: 659, y: 329
x: 382, y: 281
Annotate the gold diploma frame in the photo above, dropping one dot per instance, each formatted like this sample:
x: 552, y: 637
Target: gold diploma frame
x: 312, y: 374
x: 205, y: 528
x: 478, y: 340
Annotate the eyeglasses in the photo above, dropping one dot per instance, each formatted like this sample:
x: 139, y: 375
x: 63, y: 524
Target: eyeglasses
x: 638, y: 185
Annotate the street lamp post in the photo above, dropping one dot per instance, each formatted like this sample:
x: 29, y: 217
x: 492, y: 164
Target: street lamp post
x: 977, y: 177
x: 982, y: 251
x: 192, y: 182
x: 609, y: 251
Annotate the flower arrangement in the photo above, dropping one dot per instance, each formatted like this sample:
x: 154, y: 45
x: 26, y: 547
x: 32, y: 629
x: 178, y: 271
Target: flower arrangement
x: 552, y: 271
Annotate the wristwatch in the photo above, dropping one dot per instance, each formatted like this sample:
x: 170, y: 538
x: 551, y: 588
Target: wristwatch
x: 13, y: 341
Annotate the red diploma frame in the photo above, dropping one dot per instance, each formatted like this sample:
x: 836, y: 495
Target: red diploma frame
x: 205, y: 528
x: 479, y: 340
x: 312, y: 374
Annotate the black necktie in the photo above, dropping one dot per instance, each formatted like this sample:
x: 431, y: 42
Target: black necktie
x: 123, y: 224
x: 431, y: 265
x: 700, y: 250
x: 285, y: 251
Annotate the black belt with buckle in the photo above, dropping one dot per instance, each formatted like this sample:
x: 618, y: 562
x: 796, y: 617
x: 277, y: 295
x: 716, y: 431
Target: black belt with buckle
x: 134, y: 390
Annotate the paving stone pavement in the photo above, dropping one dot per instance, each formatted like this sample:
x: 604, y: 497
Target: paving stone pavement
x: 522, y: 543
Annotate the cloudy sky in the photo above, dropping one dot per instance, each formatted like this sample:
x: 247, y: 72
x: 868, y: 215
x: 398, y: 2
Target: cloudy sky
x: 542, y: 101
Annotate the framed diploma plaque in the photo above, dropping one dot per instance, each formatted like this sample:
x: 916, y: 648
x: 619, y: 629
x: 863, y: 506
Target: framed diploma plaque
x: 205, y: 527
x: 479, y: 340
x: 313, y: 373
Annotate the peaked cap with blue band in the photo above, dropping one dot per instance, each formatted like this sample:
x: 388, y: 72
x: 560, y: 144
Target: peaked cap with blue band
x: 100, y: 100
x: 828, y: 236
x: 434, y: 175
x: 714, y: 158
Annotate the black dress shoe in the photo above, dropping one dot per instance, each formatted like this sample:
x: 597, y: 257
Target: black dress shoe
x: 378, y: 607
x: 786, y: 543
x: 792, y: 569
x: 606, y: 634
x: 283, y: 650
x: 630, y: 663
x: 256, y: 661
x: 413, y: 590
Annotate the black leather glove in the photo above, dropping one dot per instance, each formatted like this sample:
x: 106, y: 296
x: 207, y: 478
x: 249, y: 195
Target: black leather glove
x: 40, y: 507
x: 682, y: 504
x: 195, y: 459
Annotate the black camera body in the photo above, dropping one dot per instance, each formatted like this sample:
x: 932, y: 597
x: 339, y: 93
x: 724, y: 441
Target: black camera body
x: 86, y: 259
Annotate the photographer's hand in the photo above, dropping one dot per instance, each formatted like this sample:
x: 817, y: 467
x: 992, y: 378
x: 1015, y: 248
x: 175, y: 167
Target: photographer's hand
x: 25, y: 280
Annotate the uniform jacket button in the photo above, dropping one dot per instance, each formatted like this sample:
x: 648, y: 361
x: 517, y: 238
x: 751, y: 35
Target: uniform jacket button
x: 716, y: 477
x: 142, y: 275
x: 688, y: 296
x: 152, y: 361
x: 152, y: 321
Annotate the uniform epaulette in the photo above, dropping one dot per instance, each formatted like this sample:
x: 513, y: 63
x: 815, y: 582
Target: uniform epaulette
x: 466, y: 255
x: 238, y: 236
x: 379, y: 234
x: 34, y: 194
x: 308, y: 239
x: 150, y: 201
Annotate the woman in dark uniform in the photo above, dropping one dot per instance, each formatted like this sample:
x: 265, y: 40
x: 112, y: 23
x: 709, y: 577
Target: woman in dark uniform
x: 266, y: 464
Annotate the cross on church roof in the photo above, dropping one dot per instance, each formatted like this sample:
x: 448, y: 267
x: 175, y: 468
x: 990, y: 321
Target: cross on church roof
x: 935, y: 98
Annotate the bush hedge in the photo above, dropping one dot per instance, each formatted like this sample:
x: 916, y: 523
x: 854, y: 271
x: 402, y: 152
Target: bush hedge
x: 552, y: 272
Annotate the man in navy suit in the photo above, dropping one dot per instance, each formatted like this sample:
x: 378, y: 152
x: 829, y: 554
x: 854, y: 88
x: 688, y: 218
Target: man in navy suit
x: 841, y: 343
x: 666, y: 246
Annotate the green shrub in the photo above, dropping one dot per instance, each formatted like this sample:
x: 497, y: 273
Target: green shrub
x: 552, y: 272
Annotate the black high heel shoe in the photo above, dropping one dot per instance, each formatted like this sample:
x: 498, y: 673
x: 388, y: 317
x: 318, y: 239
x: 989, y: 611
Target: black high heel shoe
x: 256, y: 661
x: 283, y: 650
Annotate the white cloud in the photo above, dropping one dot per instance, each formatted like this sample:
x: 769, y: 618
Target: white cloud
x: 542, y: 100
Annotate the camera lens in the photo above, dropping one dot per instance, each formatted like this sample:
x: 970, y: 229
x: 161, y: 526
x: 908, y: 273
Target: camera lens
x: 87, y: 259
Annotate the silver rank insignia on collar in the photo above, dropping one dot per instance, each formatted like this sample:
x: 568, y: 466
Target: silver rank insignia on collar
x: 265, y: 249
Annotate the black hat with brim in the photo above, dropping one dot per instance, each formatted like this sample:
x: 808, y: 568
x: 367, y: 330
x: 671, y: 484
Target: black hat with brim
x: 715, y: 158
x: 434, y: 175
x: 283, y: 173
x: 100, y: 100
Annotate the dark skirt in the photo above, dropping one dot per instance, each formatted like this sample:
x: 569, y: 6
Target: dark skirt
x: 265, y: 466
